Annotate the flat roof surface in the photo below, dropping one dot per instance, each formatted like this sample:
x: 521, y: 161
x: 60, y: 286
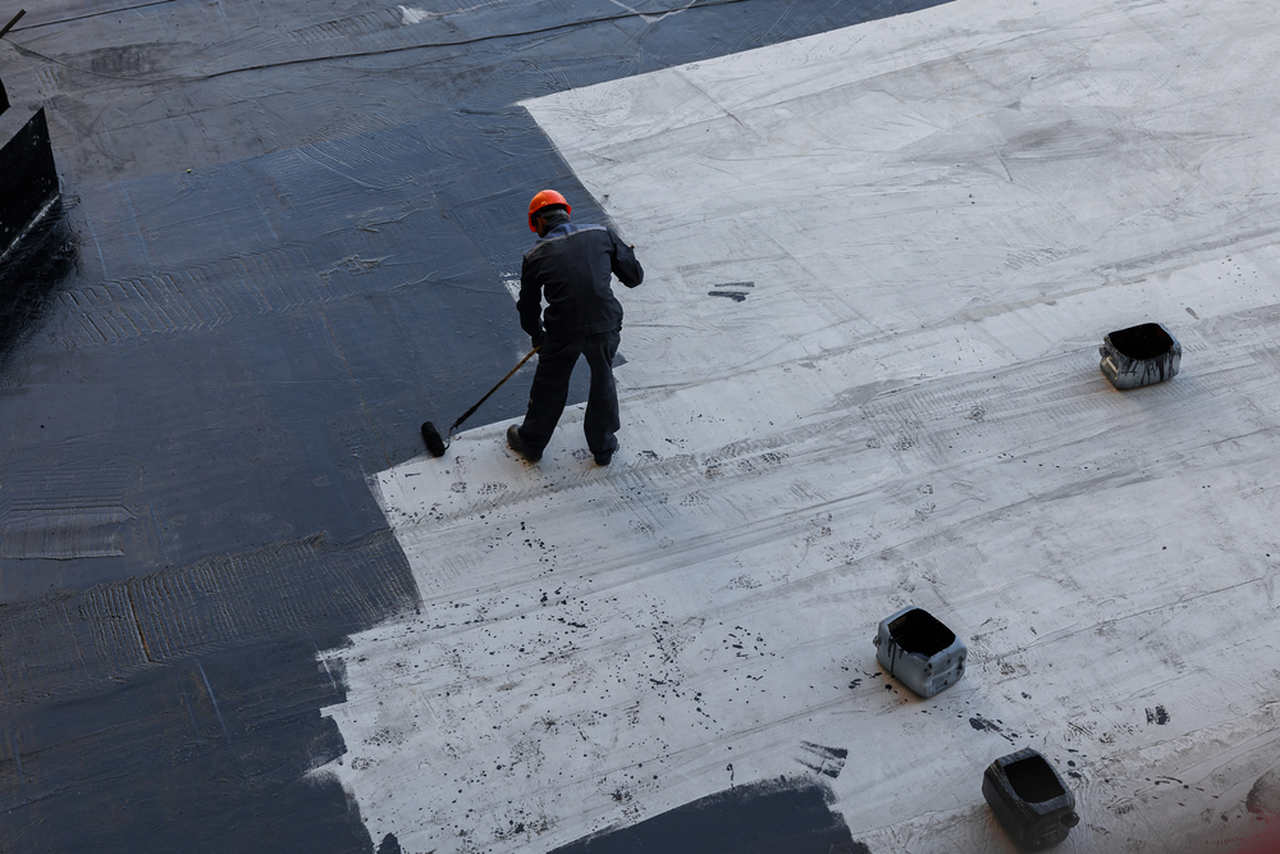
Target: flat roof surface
x: 243, y: 610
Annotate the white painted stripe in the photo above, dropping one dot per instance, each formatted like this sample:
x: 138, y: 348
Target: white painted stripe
x: 942, y: 214
x: 410, y: 15
x: 511, y: 281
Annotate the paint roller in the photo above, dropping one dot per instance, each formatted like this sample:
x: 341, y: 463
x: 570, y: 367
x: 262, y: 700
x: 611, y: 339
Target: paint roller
x: 436, y: 444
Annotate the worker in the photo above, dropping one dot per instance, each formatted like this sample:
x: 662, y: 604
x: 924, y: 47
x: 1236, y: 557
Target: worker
x: 569, y: 266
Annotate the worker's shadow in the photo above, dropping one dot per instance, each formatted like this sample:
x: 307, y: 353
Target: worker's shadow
x: 30, y: 274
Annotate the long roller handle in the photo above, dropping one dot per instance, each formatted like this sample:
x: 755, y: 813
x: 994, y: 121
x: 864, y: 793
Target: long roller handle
x: 489, y: 394
x: 12, y: 21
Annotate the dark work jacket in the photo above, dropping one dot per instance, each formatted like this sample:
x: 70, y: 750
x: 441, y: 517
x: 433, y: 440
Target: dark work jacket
x: 570, y: 267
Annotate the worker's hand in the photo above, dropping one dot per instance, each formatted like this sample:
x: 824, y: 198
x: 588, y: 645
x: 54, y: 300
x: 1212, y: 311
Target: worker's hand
x: 536, y: 341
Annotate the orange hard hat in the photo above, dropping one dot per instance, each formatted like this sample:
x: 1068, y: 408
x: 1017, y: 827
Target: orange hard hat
x: 541, y: 200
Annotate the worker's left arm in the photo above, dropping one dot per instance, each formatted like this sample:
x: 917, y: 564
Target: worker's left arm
x: 624, y: 263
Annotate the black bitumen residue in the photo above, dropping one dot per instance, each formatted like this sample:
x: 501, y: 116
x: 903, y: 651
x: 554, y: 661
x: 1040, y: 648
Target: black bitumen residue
x: 245, y: 308
x: 821, y: 759
x: 732, y: 290
x: 1264, y: 795
x: 1159, y: 716
x: 784, y: 815
x: 982, y: 724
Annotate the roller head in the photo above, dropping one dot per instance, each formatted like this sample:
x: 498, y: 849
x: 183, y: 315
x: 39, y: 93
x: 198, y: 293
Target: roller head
x: 431, y: 436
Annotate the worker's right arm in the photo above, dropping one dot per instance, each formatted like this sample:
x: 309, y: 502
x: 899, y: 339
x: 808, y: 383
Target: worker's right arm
x: 623, y: 260
x: 529, y: 304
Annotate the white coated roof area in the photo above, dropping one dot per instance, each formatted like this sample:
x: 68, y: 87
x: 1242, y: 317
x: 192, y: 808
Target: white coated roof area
x: 927, y: 224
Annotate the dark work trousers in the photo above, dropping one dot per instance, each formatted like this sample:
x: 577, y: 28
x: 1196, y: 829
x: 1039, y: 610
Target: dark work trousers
x: 551, y: 388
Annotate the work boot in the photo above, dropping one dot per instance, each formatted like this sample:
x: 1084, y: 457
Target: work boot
x: 516, y: 442
x: 605, y: 457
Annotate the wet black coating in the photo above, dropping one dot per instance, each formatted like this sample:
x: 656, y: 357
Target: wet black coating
x: 210, y: 785
x: 769, y: 817
x: 28, y: 180
x: 269, y: 265
x: 49, y: 255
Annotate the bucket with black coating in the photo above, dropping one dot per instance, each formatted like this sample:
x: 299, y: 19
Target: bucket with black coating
x: 917, y: 649
x: 1029, y: 799
x: 1139, y: 355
